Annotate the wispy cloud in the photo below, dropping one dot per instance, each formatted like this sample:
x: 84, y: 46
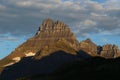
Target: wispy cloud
x: 6, y: 37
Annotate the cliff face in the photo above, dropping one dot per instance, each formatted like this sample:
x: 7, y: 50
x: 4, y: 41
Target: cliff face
x: 51, y: 32
x: 89, y: 47
x: 61, y: 45
x: 110, y: 51
x: 106, y: 51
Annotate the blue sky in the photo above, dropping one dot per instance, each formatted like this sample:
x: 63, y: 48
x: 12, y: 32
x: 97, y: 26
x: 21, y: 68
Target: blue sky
x: 101, y: 1
x: 95, y: 19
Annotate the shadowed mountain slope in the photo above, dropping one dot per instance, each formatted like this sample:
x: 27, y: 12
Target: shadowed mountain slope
x: 91, y: 69
x: 46, y: 65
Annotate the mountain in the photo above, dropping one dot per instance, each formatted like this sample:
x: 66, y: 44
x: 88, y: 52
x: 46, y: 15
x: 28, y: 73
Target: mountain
x: 110, y: 51
x: 89, y: 47
x: 48, y: 34
x: 106, y: 51
x: 53, y: 46
x: 51, y: 39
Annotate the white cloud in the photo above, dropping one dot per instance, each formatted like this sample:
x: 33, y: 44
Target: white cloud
x: 81, y: 15
x: 24, y: 3
x: 8, y: 37
x: 86, y: 35
x: 112, y: 4
x: 98, y: 15
x: 88, y: 23
x: 94, y: 5
x: 2, y: 8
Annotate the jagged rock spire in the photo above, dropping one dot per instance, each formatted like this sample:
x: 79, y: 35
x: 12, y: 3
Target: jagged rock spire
x: 55, y: 30
x: 110, y: 51
x: 49, y: 25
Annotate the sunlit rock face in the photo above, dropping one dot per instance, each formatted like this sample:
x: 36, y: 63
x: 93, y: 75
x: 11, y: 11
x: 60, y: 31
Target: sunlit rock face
x: 110, y: 51
x: 60, y: 45
x: 106, y: 51
x: 48, y: 33
x: 89, y: 47
x: 51, y: 32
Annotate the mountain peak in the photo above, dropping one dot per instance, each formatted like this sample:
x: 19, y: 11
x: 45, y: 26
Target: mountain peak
x: 88, y: 40
x: 89, y: 47
x: 110, y: 51
x: 48, y: 25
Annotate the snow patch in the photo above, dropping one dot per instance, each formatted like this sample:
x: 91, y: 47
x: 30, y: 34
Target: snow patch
x: 9, y: 64
x: 30, y: 54
x: 16, y: 59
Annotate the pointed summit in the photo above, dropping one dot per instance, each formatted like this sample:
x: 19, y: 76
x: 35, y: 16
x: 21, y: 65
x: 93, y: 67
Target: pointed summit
x: 50, y: 30
x: 89, y: 47
x: 49, y: 26
x: 88, y: 40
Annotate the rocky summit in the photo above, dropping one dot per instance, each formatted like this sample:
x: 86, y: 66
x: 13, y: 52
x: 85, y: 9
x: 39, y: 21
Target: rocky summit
x: 110, y: 51
x: 106, y: 51
x: 89, y: 47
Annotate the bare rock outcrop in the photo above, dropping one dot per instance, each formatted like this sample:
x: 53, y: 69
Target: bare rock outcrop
x: 110, y: 51
x: 61, y: 45
x: 89, y: 47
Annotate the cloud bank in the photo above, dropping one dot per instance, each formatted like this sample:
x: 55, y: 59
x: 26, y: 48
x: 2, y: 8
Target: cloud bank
x: 23, y: 17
